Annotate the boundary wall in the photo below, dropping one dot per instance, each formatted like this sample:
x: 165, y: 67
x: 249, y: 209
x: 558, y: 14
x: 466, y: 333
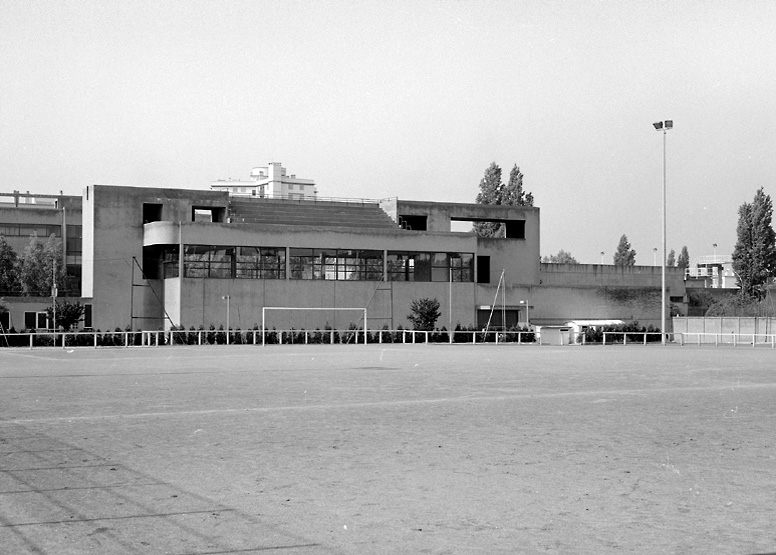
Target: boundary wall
x: 725, y: 325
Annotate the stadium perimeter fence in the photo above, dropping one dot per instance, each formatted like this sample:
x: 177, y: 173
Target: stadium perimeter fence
x: 256, y: 337
x: 159, y: 338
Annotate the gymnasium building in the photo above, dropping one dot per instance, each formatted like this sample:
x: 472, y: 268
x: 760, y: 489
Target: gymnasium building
x: 152, y: 258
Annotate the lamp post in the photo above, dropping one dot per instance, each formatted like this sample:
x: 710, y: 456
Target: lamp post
x: 226, y: 298
x: 654, y: 256
x: 663, y: 126
x: 715, y: 252
x: 450, y: 308
x: 602, y: 258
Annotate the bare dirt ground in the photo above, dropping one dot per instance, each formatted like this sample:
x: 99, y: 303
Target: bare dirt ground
x: 383, y: 450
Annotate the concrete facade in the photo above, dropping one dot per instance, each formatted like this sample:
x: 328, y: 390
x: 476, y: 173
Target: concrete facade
x: 143, y: 264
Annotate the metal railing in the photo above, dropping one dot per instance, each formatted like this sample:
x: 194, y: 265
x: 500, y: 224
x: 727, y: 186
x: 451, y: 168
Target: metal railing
x: 297, y: 198
x: 158, y: 338
x: 637, y: 337
x: 734, y: 339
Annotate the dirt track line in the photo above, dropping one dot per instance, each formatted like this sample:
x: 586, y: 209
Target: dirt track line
x: 464, y: 399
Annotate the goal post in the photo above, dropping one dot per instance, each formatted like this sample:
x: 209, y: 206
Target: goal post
x: 264, y: 310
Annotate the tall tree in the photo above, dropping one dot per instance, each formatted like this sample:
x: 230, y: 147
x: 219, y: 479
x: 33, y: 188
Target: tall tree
x: 624, y: 255
x: 513, y: 194
x: 493, y: 191
x: 9, y: 281
x: 671, y: 260
x: 684, y: 258
x: 754, y: 257
x: 35, y: 267
x: 490, y: 193
x: 562, y: 257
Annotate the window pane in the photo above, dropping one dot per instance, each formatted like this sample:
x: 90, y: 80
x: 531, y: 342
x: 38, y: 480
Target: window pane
x: 301, y: 263
x: 326, y: 264
x: 440, y: 274
x: 422, y: 266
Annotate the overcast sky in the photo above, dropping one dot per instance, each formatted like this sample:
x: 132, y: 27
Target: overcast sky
x: 411, y: 99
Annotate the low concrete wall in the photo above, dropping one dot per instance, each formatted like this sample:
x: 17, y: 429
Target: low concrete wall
x: 725, y: 325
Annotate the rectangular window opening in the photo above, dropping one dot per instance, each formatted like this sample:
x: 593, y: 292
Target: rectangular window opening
x: 152, y: 212
x: 483, y: 269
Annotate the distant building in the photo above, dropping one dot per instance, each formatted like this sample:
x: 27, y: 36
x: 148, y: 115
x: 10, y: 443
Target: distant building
x: 713, y: 271
x: 270, y: 181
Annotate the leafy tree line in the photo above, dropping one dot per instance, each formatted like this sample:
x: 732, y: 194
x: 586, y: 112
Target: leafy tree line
x: 624, y: 255
x: 32, y: 273
x: 494, y: 191
x: 682, y: 262
x: 754, y: 256
x: 562, y: 257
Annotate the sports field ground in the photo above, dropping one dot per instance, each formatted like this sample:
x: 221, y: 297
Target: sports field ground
x: 438, y: 449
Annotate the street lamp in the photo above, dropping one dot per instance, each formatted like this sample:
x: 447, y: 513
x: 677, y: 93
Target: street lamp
x: 654, y: 256
x: 227, y: 298
x: 602, y: 258
x: 715, y: 252
x: 663, y: 126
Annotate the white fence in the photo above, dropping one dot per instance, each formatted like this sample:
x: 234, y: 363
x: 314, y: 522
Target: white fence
x: 352, y: 336
x: 734, y: 339
x: 256, y: 337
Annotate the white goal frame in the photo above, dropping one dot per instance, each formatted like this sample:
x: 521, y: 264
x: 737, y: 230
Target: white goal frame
x: 266, y: 308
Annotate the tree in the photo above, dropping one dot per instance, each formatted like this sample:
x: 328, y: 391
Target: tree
x: 34, y: 267
x: 624, y: 255
x: 425, y: 313
x: 68, y: 314
x: 671, y: 260
x: 754, y: 256
x: 9, y: 281
x: 684, y: 259
x: 490, y: 193
x: 513, y: 194
x: 562, y: 257
x: 493, y: 191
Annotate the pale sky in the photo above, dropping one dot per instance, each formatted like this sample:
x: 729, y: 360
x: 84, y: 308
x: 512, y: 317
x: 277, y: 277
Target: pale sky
x: 410, y: 99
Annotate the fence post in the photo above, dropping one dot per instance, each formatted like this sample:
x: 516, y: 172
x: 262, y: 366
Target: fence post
x: 624, y: 339
x: 734, y: 339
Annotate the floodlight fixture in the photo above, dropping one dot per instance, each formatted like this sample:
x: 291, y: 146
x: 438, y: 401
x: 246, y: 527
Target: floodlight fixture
x: 658, y: 125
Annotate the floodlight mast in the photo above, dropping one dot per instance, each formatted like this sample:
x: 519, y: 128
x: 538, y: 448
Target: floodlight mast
x: 663, y: 126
